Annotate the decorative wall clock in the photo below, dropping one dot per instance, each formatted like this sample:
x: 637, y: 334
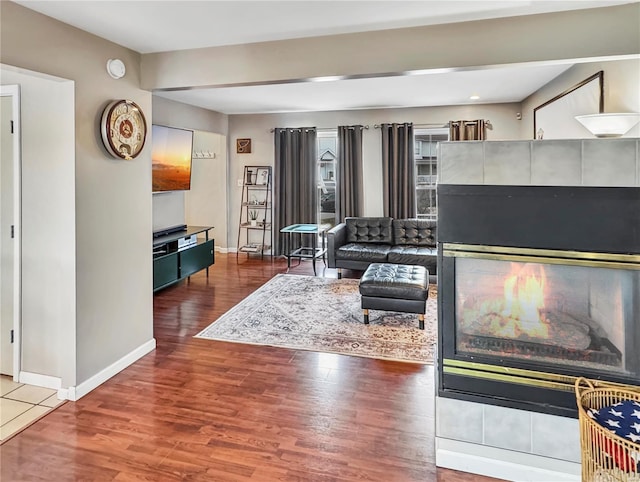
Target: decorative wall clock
x: 123, y: 128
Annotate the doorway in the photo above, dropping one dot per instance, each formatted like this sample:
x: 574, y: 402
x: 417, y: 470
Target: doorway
x: 9, y: 230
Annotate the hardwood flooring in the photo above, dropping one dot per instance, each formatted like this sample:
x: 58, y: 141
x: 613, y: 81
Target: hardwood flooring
x: 200, y: 410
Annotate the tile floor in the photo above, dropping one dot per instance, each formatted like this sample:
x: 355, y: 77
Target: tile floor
x: 21, y: 404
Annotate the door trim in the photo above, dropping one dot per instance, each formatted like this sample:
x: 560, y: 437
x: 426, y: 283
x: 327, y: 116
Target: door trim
x: 14, y: 92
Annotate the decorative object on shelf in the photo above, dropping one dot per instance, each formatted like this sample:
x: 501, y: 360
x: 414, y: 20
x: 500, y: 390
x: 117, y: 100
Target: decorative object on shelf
x: 123, y: 128
x: 262, y: 176
x: 609, y: 125
x: 243, y: 146
x: 248, y: 176
x: 116, y: 68
x: 253, y: 218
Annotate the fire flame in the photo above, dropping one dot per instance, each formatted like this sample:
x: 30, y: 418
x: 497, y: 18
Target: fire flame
x: 524, y: 301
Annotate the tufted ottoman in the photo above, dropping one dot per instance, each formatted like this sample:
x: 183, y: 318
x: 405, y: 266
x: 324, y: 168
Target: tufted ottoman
x: 395, y: 287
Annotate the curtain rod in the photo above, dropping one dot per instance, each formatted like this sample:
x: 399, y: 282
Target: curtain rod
x: 446, y: 124
x: 322, y: 128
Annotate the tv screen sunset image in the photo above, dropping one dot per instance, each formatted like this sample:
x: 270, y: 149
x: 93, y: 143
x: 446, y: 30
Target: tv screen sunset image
x: 171, y: 158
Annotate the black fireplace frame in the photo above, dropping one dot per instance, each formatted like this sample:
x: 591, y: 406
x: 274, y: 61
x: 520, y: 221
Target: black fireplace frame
x: 581, y: 219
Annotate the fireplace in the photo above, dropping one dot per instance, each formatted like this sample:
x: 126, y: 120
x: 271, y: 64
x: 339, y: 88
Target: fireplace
x: 520, y: 320
x: 550, y: 309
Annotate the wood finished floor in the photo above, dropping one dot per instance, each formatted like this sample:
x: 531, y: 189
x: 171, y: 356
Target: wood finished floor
x: 200, y: 410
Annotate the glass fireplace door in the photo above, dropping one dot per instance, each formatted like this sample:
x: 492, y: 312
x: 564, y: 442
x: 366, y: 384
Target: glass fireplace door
x: 546, y: 311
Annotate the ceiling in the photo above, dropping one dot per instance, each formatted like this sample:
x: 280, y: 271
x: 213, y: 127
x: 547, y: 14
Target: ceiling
x: 143, y: 26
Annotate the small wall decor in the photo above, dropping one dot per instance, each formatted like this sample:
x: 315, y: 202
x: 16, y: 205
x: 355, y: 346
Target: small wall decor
x: 243, y: 146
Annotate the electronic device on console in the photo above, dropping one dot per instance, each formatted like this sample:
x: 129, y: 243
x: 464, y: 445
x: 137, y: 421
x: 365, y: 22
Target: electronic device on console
x: 184, y: 243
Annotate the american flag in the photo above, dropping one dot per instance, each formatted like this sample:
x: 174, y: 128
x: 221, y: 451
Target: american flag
x: 623, y: 419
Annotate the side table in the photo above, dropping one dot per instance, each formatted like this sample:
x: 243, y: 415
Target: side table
x: 309, y: 252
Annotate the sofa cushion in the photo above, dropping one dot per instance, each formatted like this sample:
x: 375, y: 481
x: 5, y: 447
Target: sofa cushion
x: 414, y: 232
x: 416, y: 255
x: 369, y: 230
x: 363, y: 252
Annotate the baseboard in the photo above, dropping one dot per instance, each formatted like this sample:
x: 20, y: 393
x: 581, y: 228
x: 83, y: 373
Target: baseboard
x: 503, y: 464
x: 79, y: 391
x: 38, y: 380
x: 223, y: 250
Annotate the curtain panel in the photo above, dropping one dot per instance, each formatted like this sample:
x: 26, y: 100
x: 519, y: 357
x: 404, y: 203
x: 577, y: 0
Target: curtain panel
x: 398, y: 180
x: 349, y: 174
x: 462, y: 130
x: 294, y: 180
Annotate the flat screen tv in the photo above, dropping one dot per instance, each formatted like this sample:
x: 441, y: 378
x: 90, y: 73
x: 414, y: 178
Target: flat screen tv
x: 171, y: 150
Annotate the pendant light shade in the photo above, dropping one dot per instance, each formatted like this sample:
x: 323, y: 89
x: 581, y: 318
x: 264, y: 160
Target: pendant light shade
x: 609, y: 125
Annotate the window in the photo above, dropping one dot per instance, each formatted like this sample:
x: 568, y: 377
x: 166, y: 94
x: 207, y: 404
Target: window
x: 327, y: 154
x: 425, y: 143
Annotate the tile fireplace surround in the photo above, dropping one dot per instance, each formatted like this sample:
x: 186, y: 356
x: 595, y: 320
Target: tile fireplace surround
x: 510, y: 440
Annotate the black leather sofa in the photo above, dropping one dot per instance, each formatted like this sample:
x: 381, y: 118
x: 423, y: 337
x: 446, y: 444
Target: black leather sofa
x: 360, y: 241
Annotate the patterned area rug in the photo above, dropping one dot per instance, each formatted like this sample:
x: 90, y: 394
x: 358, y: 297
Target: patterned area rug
x: 324, y: 315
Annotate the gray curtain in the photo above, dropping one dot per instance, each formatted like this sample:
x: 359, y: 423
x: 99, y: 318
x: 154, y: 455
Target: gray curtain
x: 349, y: 190
x: 294, y: 180
x: 462, y: 130
x: 398, y: 181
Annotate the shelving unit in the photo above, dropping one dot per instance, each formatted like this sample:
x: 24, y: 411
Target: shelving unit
x: 256, y: 200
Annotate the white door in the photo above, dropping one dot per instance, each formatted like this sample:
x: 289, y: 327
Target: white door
x: 8, y: 239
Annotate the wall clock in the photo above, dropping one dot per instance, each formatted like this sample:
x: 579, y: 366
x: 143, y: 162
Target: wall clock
x: 123, y: 128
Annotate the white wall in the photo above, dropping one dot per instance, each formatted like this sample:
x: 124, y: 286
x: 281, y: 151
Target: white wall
x: 206, y: 201
x: 257, y: 127
x: 48, y: 224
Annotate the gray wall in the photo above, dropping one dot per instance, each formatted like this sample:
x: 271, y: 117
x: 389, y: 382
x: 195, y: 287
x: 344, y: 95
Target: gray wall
x: 565, y: 35
x: 176, y: 114
x: 209, y: 176
x: 114, y: 311
x: 258, y: 127
x: 582, y: 35
x: 621, y: 90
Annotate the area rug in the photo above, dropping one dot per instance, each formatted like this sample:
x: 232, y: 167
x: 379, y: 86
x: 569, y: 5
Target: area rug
x: 324, y: 315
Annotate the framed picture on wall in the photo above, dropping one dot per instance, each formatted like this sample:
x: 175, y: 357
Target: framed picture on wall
x: 243, y: 146
x: 262, y: 176
x: 556, y: 118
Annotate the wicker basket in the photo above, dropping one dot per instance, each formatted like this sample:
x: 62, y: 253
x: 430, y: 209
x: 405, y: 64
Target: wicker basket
x: 606, y: 457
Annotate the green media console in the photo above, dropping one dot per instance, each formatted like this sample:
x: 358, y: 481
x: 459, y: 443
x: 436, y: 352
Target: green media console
x: 179, y: 253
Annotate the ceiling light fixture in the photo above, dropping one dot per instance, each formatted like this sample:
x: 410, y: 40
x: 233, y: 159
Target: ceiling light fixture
x: 474, y: 97
x: 609, y: 125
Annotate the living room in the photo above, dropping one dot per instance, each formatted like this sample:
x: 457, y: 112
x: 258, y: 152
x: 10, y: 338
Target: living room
x: 104, y: 206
